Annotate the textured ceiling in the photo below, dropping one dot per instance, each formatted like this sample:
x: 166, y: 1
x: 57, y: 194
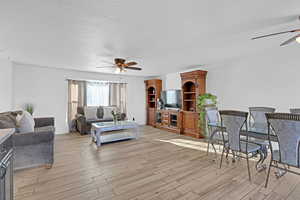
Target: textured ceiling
x: 162, y: 35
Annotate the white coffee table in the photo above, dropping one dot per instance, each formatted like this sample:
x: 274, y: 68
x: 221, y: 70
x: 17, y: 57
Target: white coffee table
x: 100, y: 127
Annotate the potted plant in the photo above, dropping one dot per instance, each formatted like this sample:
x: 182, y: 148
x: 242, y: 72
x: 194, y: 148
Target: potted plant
x: 116, y: 115
x: 29, y: 108
x: 204, y: 100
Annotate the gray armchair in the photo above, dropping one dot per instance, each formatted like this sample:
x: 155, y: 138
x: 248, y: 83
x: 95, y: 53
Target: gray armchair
x: 84, y: 125
x: 35, y: 148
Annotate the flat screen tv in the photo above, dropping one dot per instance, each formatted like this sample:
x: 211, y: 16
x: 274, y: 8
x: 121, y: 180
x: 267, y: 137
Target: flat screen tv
x: 171, y: 98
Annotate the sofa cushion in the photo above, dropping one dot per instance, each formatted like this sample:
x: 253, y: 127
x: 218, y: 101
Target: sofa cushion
x: 80, y: 110
x: 13, y: 113
x: 90, y: 112
x: 107, y: 112
x: 7, y: 121
x: 25, y: 122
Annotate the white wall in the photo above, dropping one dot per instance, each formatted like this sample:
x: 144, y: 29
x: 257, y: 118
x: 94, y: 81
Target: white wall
x: 270, y: 79
x: 46, y: 88
x: 5, y: 85
x: 172, y: 81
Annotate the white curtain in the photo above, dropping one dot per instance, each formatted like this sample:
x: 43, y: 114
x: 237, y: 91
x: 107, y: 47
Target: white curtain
x: 97, y: 93
x: 118, y: 96
x: 76, y: 98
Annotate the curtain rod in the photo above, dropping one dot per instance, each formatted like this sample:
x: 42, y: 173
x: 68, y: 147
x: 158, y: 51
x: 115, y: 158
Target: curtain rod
x: 95, y: 81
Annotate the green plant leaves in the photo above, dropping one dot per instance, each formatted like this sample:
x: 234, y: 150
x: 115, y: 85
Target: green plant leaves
x: 29, y: 108
x: 202, y: 102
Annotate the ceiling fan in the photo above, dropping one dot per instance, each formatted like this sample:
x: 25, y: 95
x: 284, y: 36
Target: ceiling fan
x: 293, y: 39
x: 121, y: 65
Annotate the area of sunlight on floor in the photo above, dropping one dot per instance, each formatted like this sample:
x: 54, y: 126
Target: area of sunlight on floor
x: 197, y: 145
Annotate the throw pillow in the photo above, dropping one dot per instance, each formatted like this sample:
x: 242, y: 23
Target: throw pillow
x: 25, y: 122
x: 107, y: 112
x: 7, y: 121
x: 90, y: 112
x: 100, y: 112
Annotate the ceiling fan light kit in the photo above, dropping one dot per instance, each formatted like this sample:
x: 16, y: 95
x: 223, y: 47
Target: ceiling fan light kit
x: 117, y: 71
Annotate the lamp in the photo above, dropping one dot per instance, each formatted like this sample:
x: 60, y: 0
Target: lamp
x: 118, y: 70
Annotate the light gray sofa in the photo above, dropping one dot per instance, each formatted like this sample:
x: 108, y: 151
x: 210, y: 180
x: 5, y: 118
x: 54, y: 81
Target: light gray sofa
x: 35, y: 148
x: 31, y: 149
x: 84, y: 125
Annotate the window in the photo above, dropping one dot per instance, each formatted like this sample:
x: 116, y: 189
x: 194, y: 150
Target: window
x: 97, y: 94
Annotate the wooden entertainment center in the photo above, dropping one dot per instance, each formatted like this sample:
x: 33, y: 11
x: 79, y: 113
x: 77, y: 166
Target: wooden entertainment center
x: 182, y: 121
x: 169, y: 120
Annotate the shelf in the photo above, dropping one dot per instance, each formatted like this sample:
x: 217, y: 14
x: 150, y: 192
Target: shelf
x: 193, y: 84
x: 153, y: 89
x: 189, y: 100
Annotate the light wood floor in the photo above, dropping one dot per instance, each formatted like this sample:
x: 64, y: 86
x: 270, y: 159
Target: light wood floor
x: 160, y: 165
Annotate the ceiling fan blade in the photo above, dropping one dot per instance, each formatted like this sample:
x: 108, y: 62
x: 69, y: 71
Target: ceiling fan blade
x: 130, y: 64
x: 133, y: 68
x: 293, y: 39
x: 272, y: 34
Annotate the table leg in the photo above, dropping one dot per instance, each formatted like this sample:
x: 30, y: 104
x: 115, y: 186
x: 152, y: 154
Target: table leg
x: 98, y: 138
x: 92, y: 135
x: 137, y: 132
x: 263, y: 153
x: 280, y: 172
